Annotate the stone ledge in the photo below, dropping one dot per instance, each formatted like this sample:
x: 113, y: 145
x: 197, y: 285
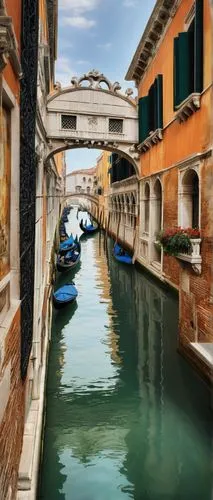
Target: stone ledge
x: 204, y: 351
x: 188, y: 107
x: 151, y: 140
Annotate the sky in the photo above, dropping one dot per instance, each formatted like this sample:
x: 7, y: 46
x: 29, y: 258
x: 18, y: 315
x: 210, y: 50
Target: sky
x: 102, y: 35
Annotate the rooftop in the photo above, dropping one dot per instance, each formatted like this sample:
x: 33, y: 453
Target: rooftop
x: 85, y: 171
x: 162, y: 13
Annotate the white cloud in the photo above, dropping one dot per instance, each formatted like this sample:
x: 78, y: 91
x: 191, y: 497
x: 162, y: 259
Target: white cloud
x: 105, y: 46
x: 63, y: 71
x: 81, y: 61
x: 130, y: 3
x: 78, y: 22
x: 78, y: 6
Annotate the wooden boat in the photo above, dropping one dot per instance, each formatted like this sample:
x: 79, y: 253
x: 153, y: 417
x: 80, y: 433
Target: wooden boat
x: 66, y: 294
x: 88, y: 229
x: 121, y: 255
x: 70, y: 259
x: 67, y: 245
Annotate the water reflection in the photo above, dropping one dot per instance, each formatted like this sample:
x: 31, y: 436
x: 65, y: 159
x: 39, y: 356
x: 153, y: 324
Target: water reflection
x: 126, y: 416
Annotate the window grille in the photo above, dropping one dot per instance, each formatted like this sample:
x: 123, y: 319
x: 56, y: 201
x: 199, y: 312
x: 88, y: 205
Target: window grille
x: 115, y: 126
x: 68, y: 122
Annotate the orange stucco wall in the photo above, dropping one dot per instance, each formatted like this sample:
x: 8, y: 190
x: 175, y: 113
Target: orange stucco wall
x: 8, y: 72
x: 43, y: 19
x: 192, y: 136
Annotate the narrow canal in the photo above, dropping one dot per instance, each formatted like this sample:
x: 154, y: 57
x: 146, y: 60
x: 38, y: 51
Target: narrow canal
x: 126, y: 417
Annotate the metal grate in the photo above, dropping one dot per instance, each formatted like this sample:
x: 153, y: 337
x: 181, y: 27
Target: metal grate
x: 68, y: 122
x: 115, y: 126
x: 28, y: 162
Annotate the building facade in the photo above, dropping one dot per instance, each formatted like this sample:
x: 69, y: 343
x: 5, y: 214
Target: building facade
x: 172, y: 68
x: 30, y: 199
x: 12, y: 388
x: 81, y: 181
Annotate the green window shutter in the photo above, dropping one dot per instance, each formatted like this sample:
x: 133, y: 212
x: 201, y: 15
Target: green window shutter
x: 159, y: 101
x: 176, y: 72
x: 143, y: 118
x: 182, y: 67
x: 198, y: 46
x: 151, y: 112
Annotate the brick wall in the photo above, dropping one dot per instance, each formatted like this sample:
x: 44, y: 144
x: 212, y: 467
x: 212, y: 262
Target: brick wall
x: 196, y: 305
x: 12, y: 424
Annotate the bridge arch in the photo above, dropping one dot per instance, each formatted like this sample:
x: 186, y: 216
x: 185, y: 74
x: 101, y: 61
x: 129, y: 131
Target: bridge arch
x: 90, y: 116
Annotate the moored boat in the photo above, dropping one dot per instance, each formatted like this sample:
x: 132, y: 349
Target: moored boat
x: 70, y: 259
x: 67, y: 245
x: 121, y: 255
x: 88, y: 228
x: 66, y: 294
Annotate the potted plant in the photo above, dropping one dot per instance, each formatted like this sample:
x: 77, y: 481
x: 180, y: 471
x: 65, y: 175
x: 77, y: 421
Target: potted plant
x: 179, y: 240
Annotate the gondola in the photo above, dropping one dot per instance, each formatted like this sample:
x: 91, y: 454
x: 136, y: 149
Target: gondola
x: 67, y: 245
x: 66, y: 294
x: 121, y: 255
x: 88, y: 229
x: 70, y: 260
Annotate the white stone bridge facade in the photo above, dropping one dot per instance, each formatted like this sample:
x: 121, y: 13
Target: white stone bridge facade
x: 92, y: 113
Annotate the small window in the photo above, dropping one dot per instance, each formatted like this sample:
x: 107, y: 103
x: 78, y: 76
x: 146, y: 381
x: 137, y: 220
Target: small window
x: 115, y: 126
x: 68, y: 122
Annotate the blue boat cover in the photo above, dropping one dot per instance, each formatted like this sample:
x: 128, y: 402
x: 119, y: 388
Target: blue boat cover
x: 67, y: 243
x: 66, y: 293
x: 121, y: 255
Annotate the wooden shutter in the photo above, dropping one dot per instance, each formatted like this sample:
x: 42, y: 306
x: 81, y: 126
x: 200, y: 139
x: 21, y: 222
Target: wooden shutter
x: 151, y: 111
x: 182, y: 67
x: 159, y: 101
x: 175, y: 72
x: 143, y: 118
x: 198, y: 46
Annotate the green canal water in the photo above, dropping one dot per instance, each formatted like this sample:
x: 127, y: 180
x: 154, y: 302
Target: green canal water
x: 126, y: 417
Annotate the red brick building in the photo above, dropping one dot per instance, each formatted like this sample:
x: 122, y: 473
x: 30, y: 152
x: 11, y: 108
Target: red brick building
x: 12, y: 387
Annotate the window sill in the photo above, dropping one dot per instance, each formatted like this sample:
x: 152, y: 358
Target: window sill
x: 151, y: 140
x: 187, y: 107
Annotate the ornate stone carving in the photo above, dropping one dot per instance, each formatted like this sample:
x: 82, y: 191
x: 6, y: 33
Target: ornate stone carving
x: 188, y: 107
x: 93, y: 122
x: 57, y: 86
x: 8, y: 45
x: 129, y: 92
x: 95, y: 78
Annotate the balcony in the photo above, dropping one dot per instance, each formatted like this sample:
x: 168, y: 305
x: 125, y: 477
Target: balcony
x: 194, y: 257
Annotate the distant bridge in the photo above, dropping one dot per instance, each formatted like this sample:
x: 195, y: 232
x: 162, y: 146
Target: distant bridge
x: 81, y: 198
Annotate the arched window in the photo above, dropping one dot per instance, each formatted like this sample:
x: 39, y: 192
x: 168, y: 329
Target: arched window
x: 146, y: 207
x: 189, y: 209
x: 88, y: 189
x: 89, y: 180
x: 84, y: 179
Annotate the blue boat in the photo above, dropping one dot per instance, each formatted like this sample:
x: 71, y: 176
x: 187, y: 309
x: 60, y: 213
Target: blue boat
x: 121, y: 255
x: 70, y: 259
x: 66, y: 294
x: 67, y: 245
x: 88, y: 228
